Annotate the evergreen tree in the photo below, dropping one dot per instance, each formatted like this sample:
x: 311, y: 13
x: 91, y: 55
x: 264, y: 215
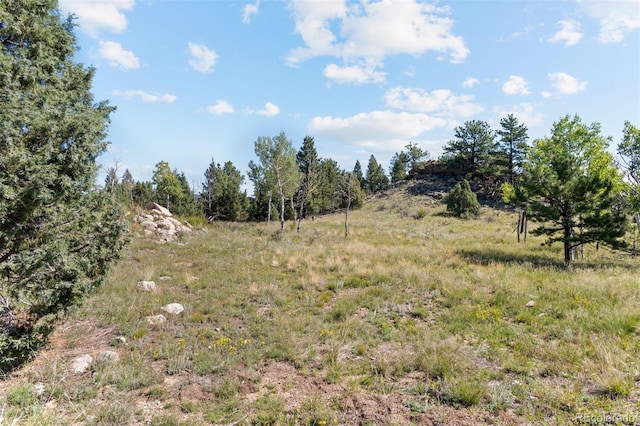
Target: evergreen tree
x: 462, y: 201
x: 127, y: 185
x: 572, y: 187
x: 210, y: 194
x: 399, y: 166
x: 376, y: 180
x: 186, y: 204
x: 512, y: 147
x: 415, y: 156
x: 471, y: 149
x: 329, y: 186
x: 142, y: 193
x: 232, y: 201
x: 58, y: 234
x: 357, y: 172
x: 309, y: 166
x: 629, y: 153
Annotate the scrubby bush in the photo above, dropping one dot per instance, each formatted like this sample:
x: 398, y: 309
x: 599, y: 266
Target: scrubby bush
x: 462, y: 201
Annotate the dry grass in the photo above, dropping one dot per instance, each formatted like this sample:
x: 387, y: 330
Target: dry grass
x: 416, y: 318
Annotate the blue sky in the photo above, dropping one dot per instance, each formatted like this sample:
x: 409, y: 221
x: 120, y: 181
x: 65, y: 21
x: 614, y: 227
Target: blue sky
x: 200, y: 79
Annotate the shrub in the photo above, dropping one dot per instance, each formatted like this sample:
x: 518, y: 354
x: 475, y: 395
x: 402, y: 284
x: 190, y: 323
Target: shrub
x: 462, y: 201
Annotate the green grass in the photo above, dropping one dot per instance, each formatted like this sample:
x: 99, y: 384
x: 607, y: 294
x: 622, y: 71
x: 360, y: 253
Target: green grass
x: 312, y: 328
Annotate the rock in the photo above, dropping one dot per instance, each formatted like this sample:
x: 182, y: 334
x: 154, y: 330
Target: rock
x: 81, y: 364
x: 39, y: 388
x: 109, y: 356
x: 156, y: 319
x: 530, y: 304
x: 162, y: 210
x: 166, y: 224
x: 173, y: 308
x: 146, y: 285
x: 148, y: 224
x: 165, y: 278
x: 120, y: 340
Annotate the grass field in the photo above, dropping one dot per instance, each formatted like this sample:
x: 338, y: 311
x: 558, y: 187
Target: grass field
x: 415, y: 318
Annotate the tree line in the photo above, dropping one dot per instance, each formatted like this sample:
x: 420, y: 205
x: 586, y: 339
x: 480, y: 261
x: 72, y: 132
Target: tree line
x: 568, y: 181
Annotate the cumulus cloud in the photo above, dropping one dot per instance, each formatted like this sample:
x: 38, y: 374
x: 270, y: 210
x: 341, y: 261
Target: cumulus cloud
x: 566, y: 84
x: 220, y: 107
x: 269, y: 110
x: 97, y: 16
x: 617, y: 19
x: 385, y: 131
x: 569, y: 33
x: 202, y: 58
x: 524, y: 112
x: 353, y: 74
x: 368, y: 32
x: 470, y: 82
x: 249, y: 10
x: 117, y: 56
x: 145, y: 96
x: 442, y: 102
x: 516, y: 85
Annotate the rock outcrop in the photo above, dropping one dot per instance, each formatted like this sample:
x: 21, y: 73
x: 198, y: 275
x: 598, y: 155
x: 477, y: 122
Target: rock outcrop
x: 159, y: 222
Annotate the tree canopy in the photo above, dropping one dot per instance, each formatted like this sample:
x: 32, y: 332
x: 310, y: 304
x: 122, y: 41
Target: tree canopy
x: 58, y: 233
x: 572, y: 187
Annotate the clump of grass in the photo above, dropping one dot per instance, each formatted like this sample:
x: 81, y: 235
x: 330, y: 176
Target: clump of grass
x: 23, y: 396
x: 116, y: 411
x: 462, y: 392
x: 421, y: 213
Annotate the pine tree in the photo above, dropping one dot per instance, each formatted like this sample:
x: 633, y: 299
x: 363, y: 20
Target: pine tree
x: 58, y: 234
x: 309, y: 166
x: 471, y: 149
x: 376, y: 180
x: 572, y: 187
x: 512, y: 147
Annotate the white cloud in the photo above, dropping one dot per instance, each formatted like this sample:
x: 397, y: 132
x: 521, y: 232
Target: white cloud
x: 617, y: 18
x: 524, y: 112
x: 353, y: 74
x: 146, y: 97
x: 221, y: 107
x: 97, y: 16
x: 566, y: 84
x: 516, y: 85
x: 384, y: 131
x: 442, y: 103
x: 368, y: 32
x: 202, y: 58
x: 117, y: 56
x: 470, y: 82
x: 269, y: 110
x: 570, y: 33
x: 249, y: 10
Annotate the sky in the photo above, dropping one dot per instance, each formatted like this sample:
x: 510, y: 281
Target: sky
x: 200, y: 80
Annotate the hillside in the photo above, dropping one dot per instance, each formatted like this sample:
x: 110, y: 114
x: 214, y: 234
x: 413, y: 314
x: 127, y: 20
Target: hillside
x: 416, y: 318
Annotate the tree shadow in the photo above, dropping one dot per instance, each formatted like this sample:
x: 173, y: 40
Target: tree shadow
x: 491, y: 256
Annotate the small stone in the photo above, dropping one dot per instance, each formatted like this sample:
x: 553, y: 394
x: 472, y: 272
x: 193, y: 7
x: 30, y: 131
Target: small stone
x: 109, y: 356
x: 146, y: 285
x: 156, y: 319
x: 39, y: 388
x: 164, y: 278
x: 173, y: 308
x: 81, y: 364
x: 530, y: 304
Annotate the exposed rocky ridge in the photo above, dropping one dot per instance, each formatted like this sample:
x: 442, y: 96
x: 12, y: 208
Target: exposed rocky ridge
x: 159, y: 222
